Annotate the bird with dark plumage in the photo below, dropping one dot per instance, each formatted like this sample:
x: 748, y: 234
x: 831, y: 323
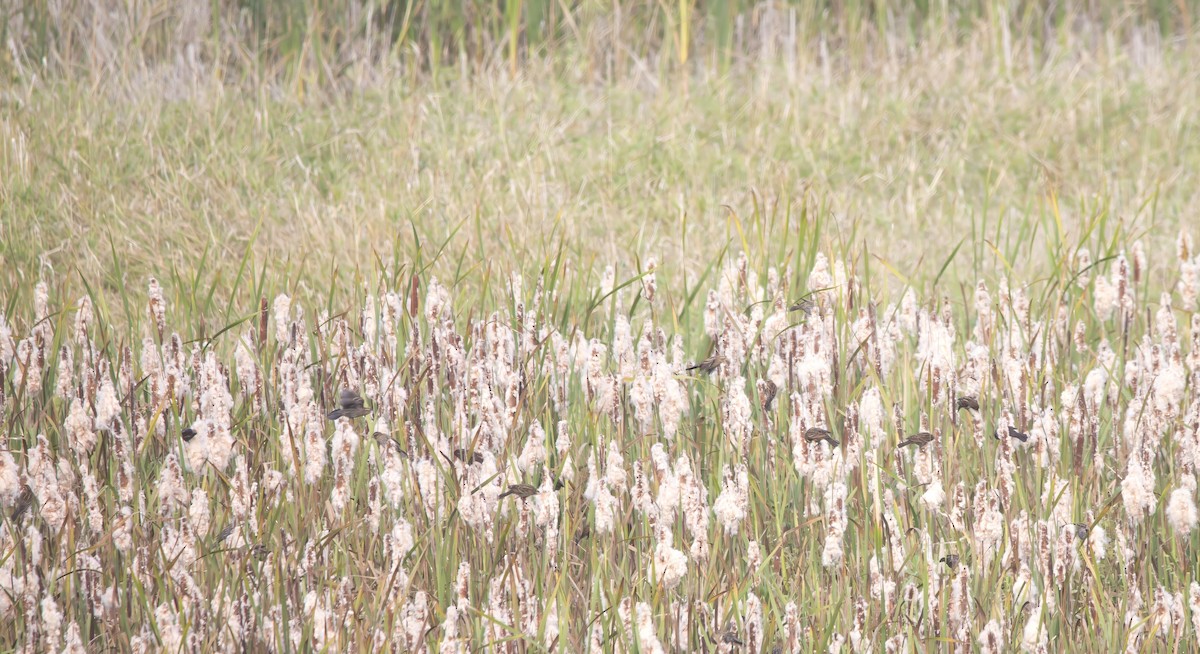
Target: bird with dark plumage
x: 920, y: 439
x: 351, y: 404
x: 464, y: 455
x: 817, y: 434
x: 951, y: 561
x: 1013, y: 433
x: 967, y: 402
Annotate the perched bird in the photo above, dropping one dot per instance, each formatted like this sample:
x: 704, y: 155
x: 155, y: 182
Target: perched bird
x: 708, y: 365
x: 1080, y: 529
x: 967, y: 402
x: 523, y: 491
x: 806, y: 305
x: 351, y: 406
x: 464, y: 455
x: 188, y: 434
x: 260, y: 551
x: 920, y: 439
x: 1013, y: 433
x: 730, y: 636
x: 951, y: 561
x: 386, y: 441
x: 24, y: 500
x: 767, y: 392
x: 225, y: 532
x: 816, y: 435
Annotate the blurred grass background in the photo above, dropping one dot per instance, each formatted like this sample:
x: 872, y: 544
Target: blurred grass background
x: 322, y: 41
x: 324, y: 138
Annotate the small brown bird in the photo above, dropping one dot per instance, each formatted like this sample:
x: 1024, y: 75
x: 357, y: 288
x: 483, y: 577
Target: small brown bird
x: 225, y: 532
x: 768, y: 391
x: 1013, y: 433
x: 24, y: 501
x: 806, y: 305
x: 708, y: 365
x: 920, y: 439
x: 188, y: 434
x: 463, y: 455
x: 1081, y: 530
x: 816, y: 435
x: 730, y: 637
x: 951, y: 561
x: 351, y: 406
x: 386, y: 441
x: 260, y: 551
x: 967, y: 402
x: 523, y: 491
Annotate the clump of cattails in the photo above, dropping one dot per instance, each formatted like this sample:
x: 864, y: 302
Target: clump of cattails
x: 614, y: 448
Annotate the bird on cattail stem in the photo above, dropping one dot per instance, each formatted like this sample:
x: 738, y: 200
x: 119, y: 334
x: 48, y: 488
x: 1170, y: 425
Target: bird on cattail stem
x: 465, y: 456
x: 805, y: 305
x: 1013, y: 432
x: 967, y: 402
x: 920, y: 439
x: 708, y: 365
x: 24, y: 501
x: 730, y: 636
x: 951, y: 561
x: 817, y: 434
x: 523, y: 491
x: 386, y: 441
x: 351, y: 406
x: 769, y: 389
